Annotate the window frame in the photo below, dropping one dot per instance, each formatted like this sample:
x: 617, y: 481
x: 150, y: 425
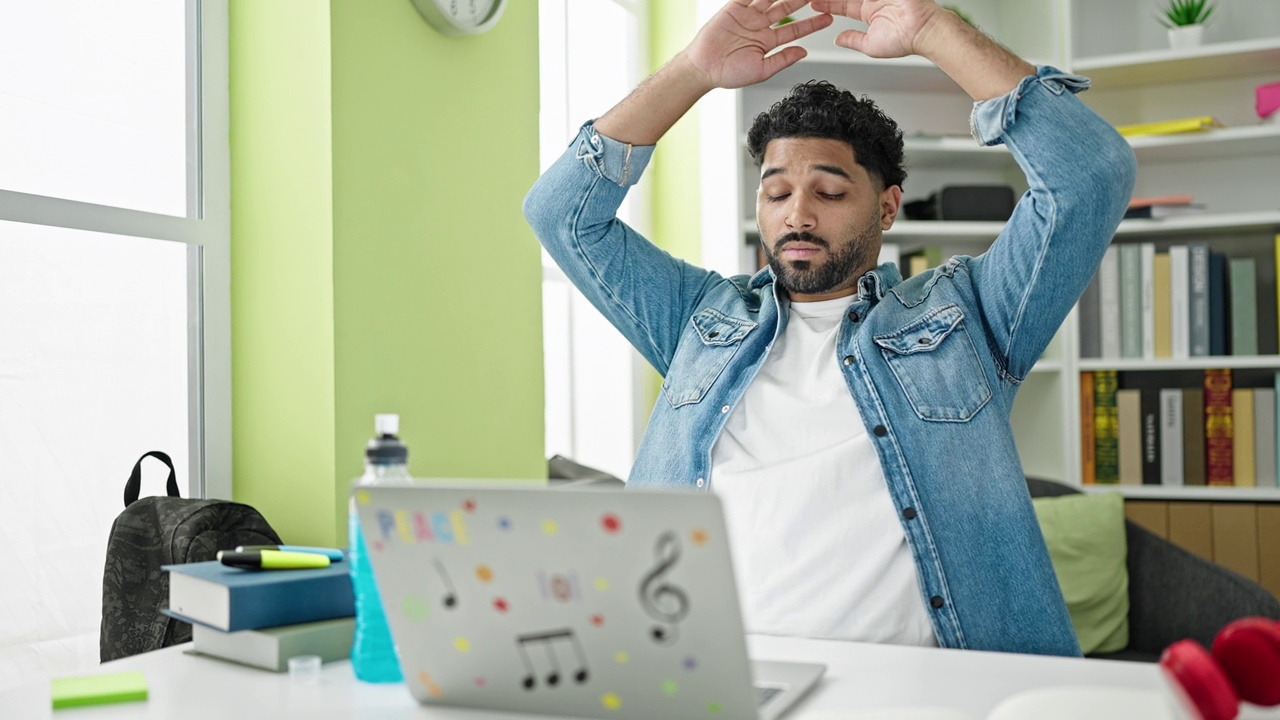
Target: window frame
x: 206, y: 231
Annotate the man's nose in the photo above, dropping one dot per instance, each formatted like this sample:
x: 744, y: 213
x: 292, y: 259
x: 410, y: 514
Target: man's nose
x: 800, y: 214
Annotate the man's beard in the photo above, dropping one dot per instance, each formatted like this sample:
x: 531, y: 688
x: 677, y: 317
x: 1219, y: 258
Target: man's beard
x: 800, y: 276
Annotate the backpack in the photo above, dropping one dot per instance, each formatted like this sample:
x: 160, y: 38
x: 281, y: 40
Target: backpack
x: 157, y: 531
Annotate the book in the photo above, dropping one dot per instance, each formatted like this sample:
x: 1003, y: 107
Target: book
x: 1147, y: 255
x: 1162, y: 306
x: 1219, y: 321
x: 1130, y: 301
x: 1160, y: 212
x: 1106, y: 427
x: 1109, y: 302
x: 1193, y: 436
x: 1264, y: 436
x: 84, y: 690
x: 1267, y: 308
x: 1088, y: 468
x: 1217, y: 428
x: 271, y: 648
x: 1244, y: 306
x: 230, y: 599
x: 1149, y: 200
x: 1090, y: 319
x: 1198, y: 312
x: 1179, y: 290
x: 1242, y: 451
x: 1148, y: 385
x: 1171, y: 472
x: 1169, y: 127
x: 1129, y: 417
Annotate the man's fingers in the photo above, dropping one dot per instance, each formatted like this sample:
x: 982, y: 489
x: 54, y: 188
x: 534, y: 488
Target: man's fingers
x: 784, y: 58
x: 843, y: 8
x: 783, y: 8
x: 796, y: 30
x: 852, y: 39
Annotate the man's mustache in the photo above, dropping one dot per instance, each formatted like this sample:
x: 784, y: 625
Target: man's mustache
x: 801, y: 237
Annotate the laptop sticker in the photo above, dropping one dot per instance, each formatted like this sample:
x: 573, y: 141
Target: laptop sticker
x: 428, y: 684
x: 611, y: 523
x: 561, y: 587
x: 602, y: 584
x: 551, y: 643
x: 550, y: 527
x: 611, y: 701
x: 484, y: 573
x: 451, y: 596
x: 663, y: 601
x: 415, y: 608
x: 500, y: 604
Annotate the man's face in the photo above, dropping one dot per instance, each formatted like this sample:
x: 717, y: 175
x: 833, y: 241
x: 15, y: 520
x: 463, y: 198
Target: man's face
x: 821, y: 216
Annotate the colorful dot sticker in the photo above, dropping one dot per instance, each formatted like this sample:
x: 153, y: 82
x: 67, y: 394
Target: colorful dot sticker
x: 611, y: 523
x: 690, y: 663
x: 621, y: 657
x: 415, y: 608
x: 602, y: 584
x: 597, y: 620
x: 362, y: 497
x: 550, y: 527
x: 462, y: 644
x: 377, y: 545
x: 480, y: 682
x: 432, y: 689
x: 611, y: 701
x: 504, y: 523
x: 699, y: 537
x: 500, y: 605
x: 670, y: 687
x: 714, y: 708
x: 484, y: 574
x: 469, y: 506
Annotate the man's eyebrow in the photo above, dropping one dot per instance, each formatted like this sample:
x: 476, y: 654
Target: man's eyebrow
x: 833, y: 169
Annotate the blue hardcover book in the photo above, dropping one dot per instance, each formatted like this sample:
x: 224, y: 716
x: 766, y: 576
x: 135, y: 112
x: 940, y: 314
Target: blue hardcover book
x: 1198, y: 296
x: 1219, y: 304
x: 231, y: 599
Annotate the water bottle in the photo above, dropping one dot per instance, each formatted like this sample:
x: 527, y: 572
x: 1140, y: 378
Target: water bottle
x: 373, y: 654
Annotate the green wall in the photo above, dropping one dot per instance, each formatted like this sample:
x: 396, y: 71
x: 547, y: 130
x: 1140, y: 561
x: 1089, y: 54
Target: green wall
x: 380, y: 261
x: 674, y: 168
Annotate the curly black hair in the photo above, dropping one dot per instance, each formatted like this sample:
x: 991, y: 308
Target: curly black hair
x: 819, y: 109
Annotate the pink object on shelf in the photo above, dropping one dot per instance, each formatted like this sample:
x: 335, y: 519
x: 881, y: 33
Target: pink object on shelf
x: 1268, y: 99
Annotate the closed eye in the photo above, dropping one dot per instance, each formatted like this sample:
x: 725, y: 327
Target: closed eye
x: 777, y: 198
x: 831, y: 196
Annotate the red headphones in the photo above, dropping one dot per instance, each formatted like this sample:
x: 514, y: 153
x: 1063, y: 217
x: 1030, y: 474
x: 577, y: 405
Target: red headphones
x: 1243, y: 665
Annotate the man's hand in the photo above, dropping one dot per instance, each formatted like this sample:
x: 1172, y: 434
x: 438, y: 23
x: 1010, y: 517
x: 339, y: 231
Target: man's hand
x: 895, y: 28
x: 732, y: 49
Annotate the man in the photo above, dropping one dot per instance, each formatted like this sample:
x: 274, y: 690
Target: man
x: 856, y: 426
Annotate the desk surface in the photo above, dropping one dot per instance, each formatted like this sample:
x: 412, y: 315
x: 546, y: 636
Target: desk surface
x: 862, y: 680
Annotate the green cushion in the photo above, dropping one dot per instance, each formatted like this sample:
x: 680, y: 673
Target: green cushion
x: 1085, y: 535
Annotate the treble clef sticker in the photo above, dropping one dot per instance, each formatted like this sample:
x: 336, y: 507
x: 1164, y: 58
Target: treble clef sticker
x: 663, y: 601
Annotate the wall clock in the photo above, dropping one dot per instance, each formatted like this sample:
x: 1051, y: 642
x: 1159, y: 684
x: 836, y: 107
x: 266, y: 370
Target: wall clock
x: 461, y: 17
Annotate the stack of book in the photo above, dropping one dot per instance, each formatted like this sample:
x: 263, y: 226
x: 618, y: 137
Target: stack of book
x: 264, y: 617
x: 1161, y: 207
x: 1190, y: 427
x: 1186, y: 301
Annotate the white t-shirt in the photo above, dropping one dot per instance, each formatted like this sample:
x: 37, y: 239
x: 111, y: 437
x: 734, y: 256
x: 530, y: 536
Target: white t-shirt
x: 817, y: 545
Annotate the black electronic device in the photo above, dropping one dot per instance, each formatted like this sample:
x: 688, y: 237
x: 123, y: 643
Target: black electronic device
x: 964, y: 202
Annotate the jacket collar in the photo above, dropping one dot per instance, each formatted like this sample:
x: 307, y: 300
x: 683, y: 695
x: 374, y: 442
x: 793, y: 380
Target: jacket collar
x: 871, y: 286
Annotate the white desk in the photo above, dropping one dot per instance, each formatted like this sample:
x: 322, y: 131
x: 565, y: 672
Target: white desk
x: 860, y: 678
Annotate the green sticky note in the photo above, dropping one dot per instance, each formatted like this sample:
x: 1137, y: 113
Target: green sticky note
x: 98, y: 689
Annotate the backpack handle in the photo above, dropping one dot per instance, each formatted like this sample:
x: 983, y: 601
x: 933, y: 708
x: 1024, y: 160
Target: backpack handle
x: 134, y: 485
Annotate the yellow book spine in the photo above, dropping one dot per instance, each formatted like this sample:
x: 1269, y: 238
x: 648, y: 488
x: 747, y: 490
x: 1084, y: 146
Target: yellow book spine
x: 1242, y: 460
x: 1168, y: 127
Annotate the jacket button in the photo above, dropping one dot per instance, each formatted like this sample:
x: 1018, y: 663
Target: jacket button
x: 937, y: 602
x: 848, y: 360
x: 713, y: 334
x: 909, y: 513
x: 880, y: 430
x: 853, y: 316
x: 701, y: 482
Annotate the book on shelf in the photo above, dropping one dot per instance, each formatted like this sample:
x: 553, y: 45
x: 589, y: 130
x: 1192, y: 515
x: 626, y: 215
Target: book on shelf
x: 1193, y: 463
x: 1148, y: 385
x: 1198, y: 322
x: 921, y: 260
x: 1219, y: 330
x: 270, y: 648
x: 1267, y: 307
x: 1147, y: 255
x: 1088, y: 467
x: 1169, y: 127
x: 1217, y: 428
x: 1264, y: 436
x: 230, y: 599
x: 1105, y: 428
x: 1242, y: 275
x: 1089, y: 318
x: 1162, y: 304
x: 1141, y: 201
x: 1129, y: 422
x: 1161, y: 212
x: 1109, y: 303
x: 1242, y: 450
x: 1130, y: 301
x: 1171, y: 453
x: 1179, y: 312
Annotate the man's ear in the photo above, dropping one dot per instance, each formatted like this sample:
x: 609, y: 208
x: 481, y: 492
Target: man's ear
x: 890, y: 203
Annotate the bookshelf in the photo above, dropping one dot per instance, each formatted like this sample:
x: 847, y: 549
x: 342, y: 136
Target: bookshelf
x: 1136, y: 78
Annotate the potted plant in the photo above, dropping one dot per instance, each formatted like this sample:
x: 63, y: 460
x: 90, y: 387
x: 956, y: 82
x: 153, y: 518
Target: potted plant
x: 1185, y: 20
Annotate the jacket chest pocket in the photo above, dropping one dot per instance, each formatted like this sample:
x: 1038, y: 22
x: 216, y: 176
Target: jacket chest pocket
x: 937, y: 366
x: 707, y: 347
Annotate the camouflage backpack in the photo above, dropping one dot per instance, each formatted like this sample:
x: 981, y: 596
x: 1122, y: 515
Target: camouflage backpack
x: 157, y: 531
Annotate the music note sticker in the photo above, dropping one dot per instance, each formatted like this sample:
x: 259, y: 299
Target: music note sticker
x: 663, y: 601
x: 451, y: 595
x: 549, y: 642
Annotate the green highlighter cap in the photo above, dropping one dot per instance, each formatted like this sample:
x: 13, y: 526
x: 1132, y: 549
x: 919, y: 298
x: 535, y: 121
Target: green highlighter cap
x: 98, y: 689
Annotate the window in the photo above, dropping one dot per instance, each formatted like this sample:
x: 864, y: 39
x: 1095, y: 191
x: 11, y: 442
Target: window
x: 596, y: 404
x: 114, y: 293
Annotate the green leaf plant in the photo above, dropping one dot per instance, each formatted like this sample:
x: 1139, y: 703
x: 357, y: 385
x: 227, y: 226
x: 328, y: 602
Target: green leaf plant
x: 1181, y: 13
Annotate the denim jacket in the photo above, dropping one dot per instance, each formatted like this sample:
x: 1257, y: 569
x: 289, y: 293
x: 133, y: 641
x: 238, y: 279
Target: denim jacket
x: 933, y: 362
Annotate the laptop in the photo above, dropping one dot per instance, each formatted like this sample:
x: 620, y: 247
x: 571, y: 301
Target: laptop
x: 570, y: 602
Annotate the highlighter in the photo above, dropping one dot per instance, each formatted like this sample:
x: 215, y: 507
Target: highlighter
x: 272, y: 559
x: 333, y: 554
